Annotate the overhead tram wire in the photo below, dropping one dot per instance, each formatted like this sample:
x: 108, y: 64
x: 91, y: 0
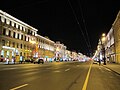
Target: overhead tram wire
x: 78, y: 24
x: 84, y: 23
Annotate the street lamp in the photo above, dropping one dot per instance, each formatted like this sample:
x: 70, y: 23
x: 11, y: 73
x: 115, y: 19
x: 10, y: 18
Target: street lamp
x: 103, y: 38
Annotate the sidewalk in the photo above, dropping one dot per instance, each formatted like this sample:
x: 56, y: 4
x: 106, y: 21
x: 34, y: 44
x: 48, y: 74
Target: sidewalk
x: 114, y: 67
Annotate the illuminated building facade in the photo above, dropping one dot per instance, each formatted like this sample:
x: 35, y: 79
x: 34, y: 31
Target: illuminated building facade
x: 45, y: 48
x: 15, y: 36
x: 109, y: 46
x: 60, y: 51
x: 116, y: 28
x: 18, y: 39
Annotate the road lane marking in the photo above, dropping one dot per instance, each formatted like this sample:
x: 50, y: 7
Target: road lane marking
x: 87, y: 78
x: 108, y: 69
x: 57, y: 71
x: 19, y: 87
x: 67, y: 69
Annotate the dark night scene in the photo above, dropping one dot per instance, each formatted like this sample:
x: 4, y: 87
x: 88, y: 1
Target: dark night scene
x: 60, y: 45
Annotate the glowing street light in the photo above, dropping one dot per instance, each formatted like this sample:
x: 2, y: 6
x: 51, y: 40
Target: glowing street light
x: 103, y: 38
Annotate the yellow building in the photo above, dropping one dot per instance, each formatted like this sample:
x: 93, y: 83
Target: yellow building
x: 15, y: 37
x: 116, y: 28
x: 45, y: 48
x: 18, y: 39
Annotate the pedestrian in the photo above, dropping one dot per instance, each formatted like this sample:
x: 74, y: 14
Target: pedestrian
x: 99, y: 62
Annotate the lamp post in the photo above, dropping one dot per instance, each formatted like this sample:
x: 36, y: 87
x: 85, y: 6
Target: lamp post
x: 103, y: 47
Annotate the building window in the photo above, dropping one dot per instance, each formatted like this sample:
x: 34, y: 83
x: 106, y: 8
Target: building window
x: 21, y: 46
x: 15, y: 25
x: 5, y: 21
x: 8, y: 43
x: 10, y: 23
x: 19, y: 27
x: 28, y: 39
x: 17, y: 45
x: 9, y: 33
x: 18, y: 36
x: 13, y: 44
x: 0, y: 18
x: 3, y: 42
x: 4, y: 31
x: 25, y: 38
x: 21, y: 37
x: 22, y: 28
x: 13, y: 34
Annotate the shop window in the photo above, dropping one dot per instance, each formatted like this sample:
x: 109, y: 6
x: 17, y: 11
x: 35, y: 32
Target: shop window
x: 8, y: 53
x: 2, y: 53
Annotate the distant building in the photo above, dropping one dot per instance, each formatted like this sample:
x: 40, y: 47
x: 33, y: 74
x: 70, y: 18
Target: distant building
x: 45, y: 48
x: 59, y: 51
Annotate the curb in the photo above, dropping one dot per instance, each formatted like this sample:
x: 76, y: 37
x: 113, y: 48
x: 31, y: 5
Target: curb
x: 111, y: 70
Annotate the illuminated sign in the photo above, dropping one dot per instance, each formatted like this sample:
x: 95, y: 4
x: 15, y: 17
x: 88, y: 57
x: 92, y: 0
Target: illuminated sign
x: 8, y: 48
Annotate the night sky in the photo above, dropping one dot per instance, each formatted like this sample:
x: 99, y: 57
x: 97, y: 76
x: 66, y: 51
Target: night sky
x: 77, y: 24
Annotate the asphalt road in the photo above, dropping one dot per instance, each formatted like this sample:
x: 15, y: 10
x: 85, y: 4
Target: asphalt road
x: 58, y: 76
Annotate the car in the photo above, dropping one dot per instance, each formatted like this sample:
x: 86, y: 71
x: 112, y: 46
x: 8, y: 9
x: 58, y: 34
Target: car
x: 39, y: 61
x: 95, y: 62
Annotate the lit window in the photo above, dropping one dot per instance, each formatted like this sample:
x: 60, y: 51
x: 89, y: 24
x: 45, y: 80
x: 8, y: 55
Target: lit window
x: 20, y: 36
x: 7, y: 21
x: 3, y: 42
x: 16, y: 25
x: 20, y: 27
x: 16, y: 35
x: 8, y: 43
x: 13, y: 44
x: 2, y: 19
x: 7, y: 32
x: 13, y: 24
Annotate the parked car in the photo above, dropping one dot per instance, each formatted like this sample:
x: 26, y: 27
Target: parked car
x: 39, y: 61
x: 29, y: 60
